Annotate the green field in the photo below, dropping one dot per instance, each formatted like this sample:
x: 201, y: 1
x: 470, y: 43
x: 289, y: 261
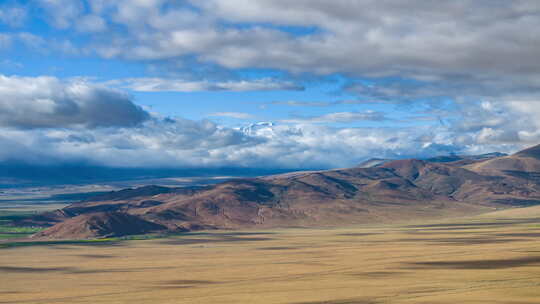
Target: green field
x: 9, y: 231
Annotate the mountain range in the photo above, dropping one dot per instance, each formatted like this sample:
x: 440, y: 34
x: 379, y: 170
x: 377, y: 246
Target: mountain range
x: 383, y: 191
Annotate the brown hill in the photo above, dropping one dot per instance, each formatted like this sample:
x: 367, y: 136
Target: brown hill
x: 533, y: 152
x: 101, y: 224
x: 400, y: 190
x: 527, y: 160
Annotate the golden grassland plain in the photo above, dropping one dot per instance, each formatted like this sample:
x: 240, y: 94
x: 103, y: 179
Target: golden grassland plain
x: 492, y: 258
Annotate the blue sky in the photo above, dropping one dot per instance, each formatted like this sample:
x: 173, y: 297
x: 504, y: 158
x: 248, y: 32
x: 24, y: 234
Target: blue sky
x: 261, y: 104
x: 270, y: 83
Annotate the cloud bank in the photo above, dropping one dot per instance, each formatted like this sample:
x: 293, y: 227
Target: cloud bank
x: 47, y: 102
x: 49, y: 120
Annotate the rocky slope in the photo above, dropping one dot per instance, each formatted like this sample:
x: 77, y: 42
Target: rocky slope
x: 399, y: 190
x: 99, y: 224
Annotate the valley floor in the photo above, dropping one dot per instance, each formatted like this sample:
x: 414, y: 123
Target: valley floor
x: 487, y: 259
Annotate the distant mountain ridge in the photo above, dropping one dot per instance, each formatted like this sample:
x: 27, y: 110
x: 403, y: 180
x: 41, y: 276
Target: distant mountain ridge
x: 373, y: 162
x: 17, y: 174
x: 388, y: 191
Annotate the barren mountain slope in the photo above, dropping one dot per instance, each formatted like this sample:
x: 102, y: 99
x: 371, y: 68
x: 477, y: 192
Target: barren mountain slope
x: 102, y: 224
x: 399, y: 190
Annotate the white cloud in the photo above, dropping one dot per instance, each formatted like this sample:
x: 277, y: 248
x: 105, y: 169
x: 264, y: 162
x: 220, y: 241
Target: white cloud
x: 341, y: 117
x: 62, y: 13
x: 481, y: 54
x: 237, y: 115
x: 184, y: 143
x: 36, y: 43
x: 91, y: 23
x: 9, y: 64
x: 492, y: 123
x: 180, y: 85
x: 30, y: 40
x: 47, y: 120
x: 299, y: 103
x: 5, y: 41
x: 13, y: 15
x: 473, y: 48
x: 302, y: 103
x: 484, y: 51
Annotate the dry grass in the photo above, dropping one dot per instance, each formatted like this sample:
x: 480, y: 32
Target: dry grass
x: 488, y: 259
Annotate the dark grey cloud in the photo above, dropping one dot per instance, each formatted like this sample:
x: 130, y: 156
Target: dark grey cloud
x: 47, y: 102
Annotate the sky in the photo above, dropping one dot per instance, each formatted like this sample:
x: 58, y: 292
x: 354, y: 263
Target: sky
x: 267, y: 83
